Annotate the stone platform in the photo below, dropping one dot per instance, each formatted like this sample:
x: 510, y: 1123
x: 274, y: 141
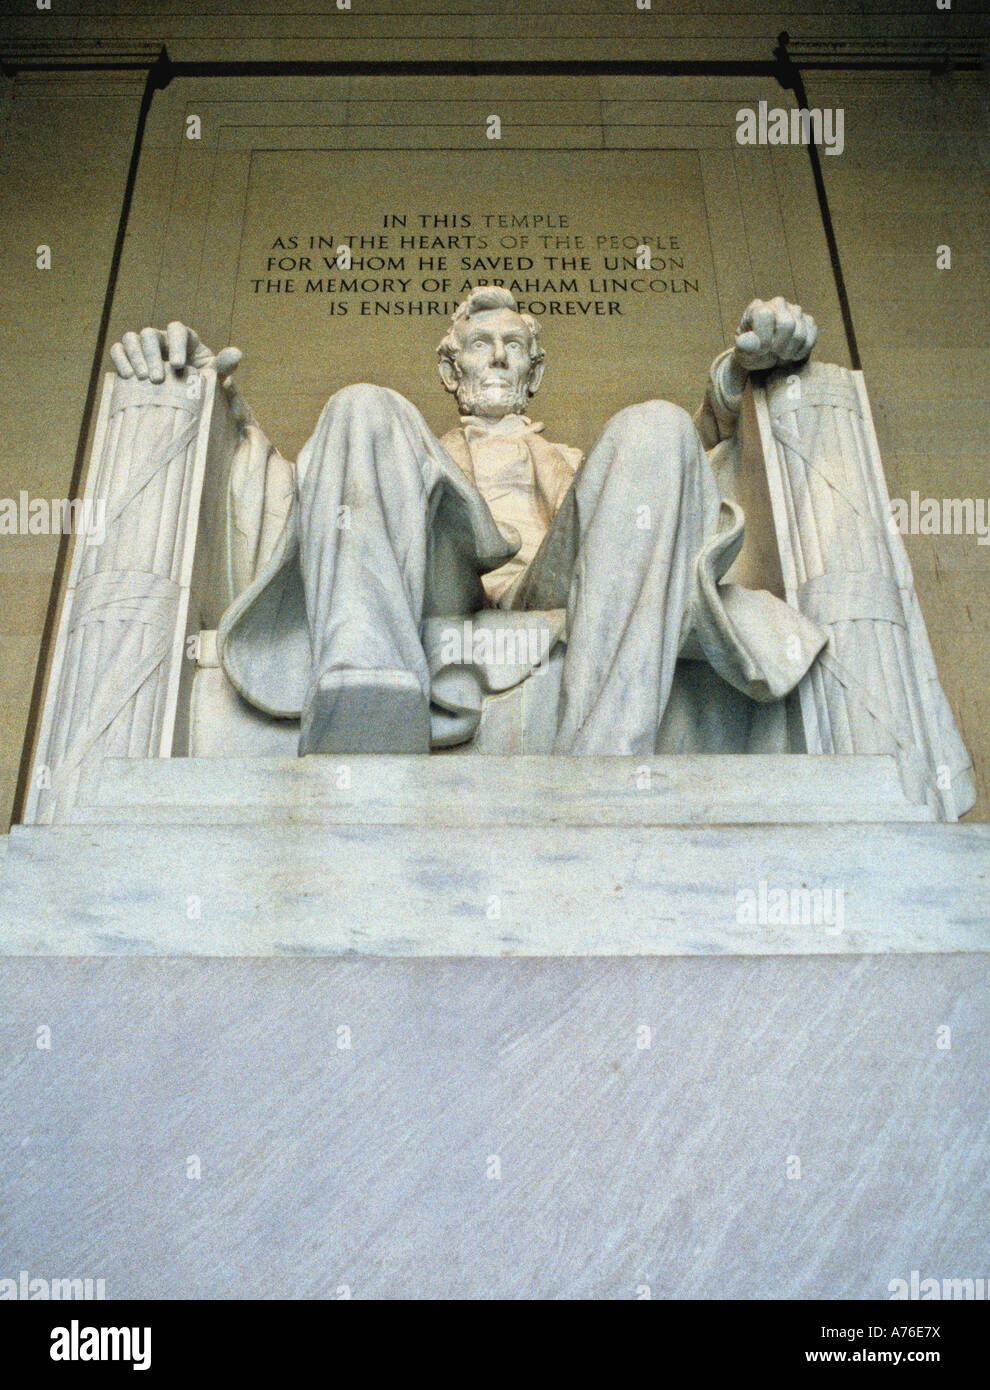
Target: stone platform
x: 462, y: 855
x: 445, y: 1101
x: 598, y: 1129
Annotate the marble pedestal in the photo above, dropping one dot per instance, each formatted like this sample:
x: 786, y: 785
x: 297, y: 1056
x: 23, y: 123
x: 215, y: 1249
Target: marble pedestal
x: 496, y: 1128
x: 539, y: 1055
x: 477, y: 856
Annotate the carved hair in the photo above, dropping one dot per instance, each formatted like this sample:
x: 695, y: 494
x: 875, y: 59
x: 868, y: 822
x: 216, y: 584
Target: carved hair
x: 479, y: 301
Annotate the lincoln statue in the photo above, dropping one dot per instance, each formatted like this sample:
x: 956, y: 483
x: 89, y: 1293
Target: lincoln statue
x: 344, y: 563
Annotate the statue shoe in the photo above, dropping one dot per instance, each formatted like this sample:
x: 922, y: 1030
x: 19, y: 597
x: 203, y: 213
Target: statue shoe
x: 352, y: 711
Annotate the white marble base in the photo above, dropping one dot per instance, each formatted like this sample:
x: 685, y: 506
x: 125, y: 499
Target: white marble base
x: 458, y: 789
x: 645, y: 1115
x: 463, y: 855
x: 439, y: 1107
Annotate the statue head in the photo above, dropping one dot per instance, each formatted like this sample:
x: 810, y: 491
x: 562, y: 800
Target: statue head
x: 491, y: 358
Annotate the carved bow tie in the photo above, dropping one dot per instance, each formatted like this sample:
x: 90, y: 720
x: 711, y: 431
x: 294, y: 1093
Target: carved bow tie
x: 510, y: 427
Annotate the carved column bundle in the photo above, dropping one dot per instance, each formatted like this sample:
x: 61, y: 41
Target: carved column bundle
x: 875, y: 688
x: 114, y: 679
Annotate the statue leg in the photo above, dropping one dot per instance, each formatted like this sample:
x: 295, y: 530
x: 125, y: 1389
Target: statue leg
x: 370, y: 484
x: 640, y: 507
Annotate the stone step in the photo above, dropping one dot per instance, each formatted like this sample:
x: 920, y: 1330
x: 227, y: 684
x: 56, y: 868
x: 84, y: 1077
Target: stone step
x: 466, y: 789
x: 494, y: 890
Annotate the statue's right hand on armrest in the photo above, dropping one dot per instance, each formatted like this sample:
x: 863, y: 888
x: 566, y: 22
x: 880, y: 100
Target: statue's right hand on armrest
x: 144, y: 354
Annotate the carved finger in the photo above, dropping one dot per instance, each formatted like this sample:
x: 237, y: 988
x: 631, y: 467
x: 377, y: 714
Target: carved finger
x: 132, y: 346
x: 748, y: 344
x: 802, y: 350
x: 797, y: 349
x: 199, y: 354
x: 749, y: 314
x: 119, y: 359
x: 226, y: 361
x: 151, y: 346
x: 763, y: 325
x: 793, y: 349
x: 177, y: 335
x: 783, y: 332
x: 804, y: 338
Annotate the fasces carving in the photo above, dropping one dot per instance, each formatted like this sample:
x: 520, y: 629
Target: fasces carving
x: 115, y: 676
x: 875, y: 688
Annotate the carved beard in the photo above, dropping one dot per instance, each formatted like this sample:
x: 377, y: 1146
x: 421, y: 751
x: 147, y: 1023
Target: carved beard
x: 478, y: 400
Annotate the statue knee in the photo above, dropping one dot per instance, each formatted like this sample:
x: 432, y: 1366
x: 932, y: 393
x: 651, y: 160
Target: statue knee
x: 654, y: 427
x: 367, y: 400
x: 662, y: 418
x: 374, y: 443
x: 365, y: 411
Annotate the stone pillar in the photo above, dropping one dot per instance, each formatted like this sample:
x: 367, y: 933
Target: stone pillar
x: 114, y: 680
x: 875, y: 688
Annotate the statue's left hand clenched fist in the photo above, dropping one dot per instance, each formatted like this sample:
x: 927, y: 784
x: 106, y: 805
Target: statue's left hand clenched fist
x: 773, y: 333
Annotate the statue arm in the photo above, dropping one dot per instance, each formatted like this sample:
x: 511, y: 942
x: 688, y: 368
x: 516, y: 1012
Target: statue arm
x: 771, y: 333
x: 260, y: 493
x: 718, y: 414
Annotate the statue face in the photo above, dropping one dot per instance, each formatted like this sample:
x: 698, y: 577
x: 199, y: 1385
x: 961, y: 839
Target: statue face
x: 494, y: 372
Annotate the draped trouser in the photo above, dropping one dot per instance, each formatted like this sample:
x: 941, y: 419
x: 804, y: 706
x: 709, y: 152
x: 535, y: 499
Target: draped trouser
x: 386, y: 533
x: 619, y: 556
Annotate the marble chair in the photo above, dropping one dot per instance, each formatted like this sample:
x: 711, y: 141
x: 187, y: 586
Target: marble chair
x: 134, y: 671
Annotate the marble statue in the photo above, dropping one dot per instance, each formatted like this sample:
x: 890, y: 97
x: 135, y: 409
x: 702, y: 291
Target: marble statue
x: 354, y: 570
x: 492, y: 591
